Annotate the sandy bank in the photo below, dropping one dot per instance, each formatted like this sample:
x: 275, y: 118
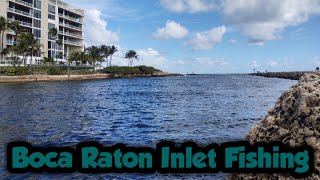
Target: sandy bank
x: 286, y: 75
x: 41, y: 78
x: 294, y: 120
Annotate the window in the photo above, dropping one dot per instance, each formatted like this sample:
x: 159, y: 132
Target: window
x: 37, y: 23
x: 50, y: 26
x: 37, y: 33
x: 50, y: 16
x: 37, y: 14
x: 52, y: 9
x: 51, y: 45
x: 37, y: 4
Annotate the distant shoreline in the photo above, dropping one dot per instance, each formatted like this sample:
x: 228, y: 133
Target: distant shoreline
x: 285, y: 75
x: 48, y: 78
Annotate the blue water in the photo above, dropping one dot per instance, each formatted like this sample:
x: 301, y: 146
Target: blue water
x: 138, y: 112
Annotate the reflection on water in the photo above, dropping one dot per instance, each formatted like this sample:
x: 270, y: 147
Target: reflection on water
x: 137, y: 112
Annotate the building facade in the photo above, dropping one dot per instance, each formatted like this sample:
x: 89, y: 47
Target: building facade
x: 38, y: 17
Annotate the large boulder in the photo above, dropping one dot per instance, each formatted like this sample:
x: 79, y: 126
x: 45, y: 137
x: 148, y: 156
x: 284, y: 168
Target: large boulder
x: 294, y: 120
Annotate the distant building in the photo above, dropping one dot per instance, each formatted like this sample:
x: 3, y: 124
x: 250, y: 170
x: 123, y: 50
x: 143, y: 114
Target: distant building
x: 317, y: 69
x: 37, y: 17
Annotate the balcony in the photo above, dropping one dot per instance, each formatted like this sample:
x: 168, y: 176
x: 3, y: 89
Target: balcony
x: 22, y: 23
x: 19, y: 12
x: 22, y: 3
x: 70, y: 8
x: 71, y: 34
x: 70, y: 18
x: 70, y: 26
x: 10, y: 31
x: 72, y: 43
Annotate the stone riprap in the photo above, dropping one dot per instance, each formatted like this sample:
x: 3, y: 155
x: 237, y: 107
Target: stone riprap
x: 295, y: 120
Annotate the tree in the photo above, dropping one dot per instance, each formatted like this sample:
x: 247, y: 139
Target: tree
x: 28, y: 45
x: 112, y: 50
x: 14, y: 54
x: 77, y: 57
x: 46, y: 60
x: 131, y: 55
x: 3, y: 28
x: 22, y: 43
x: 34, y: 47
x: 105, y: 52
x: 15, y: 26
x: 93, y: 55
x: 5, y: 52
x: 54, y: 33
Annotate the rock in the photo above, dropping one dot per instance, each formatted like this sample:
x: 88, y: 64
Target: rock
x: 294, y: 120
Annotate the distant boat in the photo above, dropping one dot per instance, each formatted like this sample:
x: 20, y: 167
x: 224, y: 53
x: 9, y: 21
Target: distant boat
x: 192, y: 74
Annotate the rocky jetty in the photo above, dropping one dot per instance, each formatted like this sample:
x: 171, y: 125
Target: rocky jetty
x: 285, y: 75
x: 294, y: 120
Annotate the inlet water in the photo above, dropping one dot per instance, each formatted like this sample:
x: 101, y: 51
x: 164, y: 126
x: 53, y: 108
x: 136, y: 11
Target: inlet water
x: 137, y: 112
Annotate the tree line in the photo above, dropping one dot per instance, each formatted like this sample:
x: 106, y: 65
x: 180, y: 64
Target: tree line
x: 26, y: 45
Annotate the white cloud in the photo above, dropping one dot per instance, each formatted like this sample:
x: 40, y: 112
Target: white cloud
x: 189, y: 6
x: 253, y: 64
x: 179, y: 62
x: 151, y: 57
x: 213, y: 62
x: 265, y: 20
x: 172, y: 30
x: 148, y: 57
x: 95, y: 29
x: 273, y: 63
x: 206, y: 40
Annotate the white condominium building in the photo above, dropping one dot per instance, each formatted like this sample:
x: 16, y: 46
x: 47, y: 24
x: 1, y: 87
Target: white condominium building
x: 38, y: 17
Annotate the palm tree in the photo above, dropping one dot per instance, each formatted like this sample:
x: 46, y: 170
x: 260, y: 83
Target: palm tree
x: 112, y: 50
x: 76, y: 56
x: 14, y: 54
x: 93, y: 55
x: 28, y: 45
x: 130, y: 55
x: 15, y: 26
x: 105, y: 51
x: 3, y: 28
x: 34, y: 47
x: 5, y: 52
x: 54, y: 33
x: 22, y: 43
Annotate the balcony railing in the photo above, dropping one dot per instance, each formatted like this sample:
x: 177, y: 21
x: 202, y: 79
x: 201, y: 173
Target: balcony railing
x: 70, y: 18
x: 70, y: 26
x: 19, y: 12
x: 20, y: 22
x: 71, y: 34
x: 23, y: 2
x: 72, y: 43
x: 70, y: 8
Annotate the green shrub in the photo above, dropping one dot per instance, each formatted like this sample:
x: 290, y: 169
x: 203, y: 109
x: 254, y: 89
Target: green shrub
x: 125, y: 70
x: 16, y: 71
x: 55, y: 71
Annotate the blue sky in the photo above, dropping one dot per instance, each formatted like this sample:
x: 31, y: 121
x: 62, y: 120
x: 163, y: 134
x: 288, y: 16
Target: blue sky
x: 208, y: 36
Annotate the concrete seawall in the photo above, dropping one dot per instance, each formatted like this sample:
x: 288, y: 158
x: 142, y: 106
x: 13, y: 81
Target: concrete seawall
x: 42, y: 78
x: 286, y: 75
